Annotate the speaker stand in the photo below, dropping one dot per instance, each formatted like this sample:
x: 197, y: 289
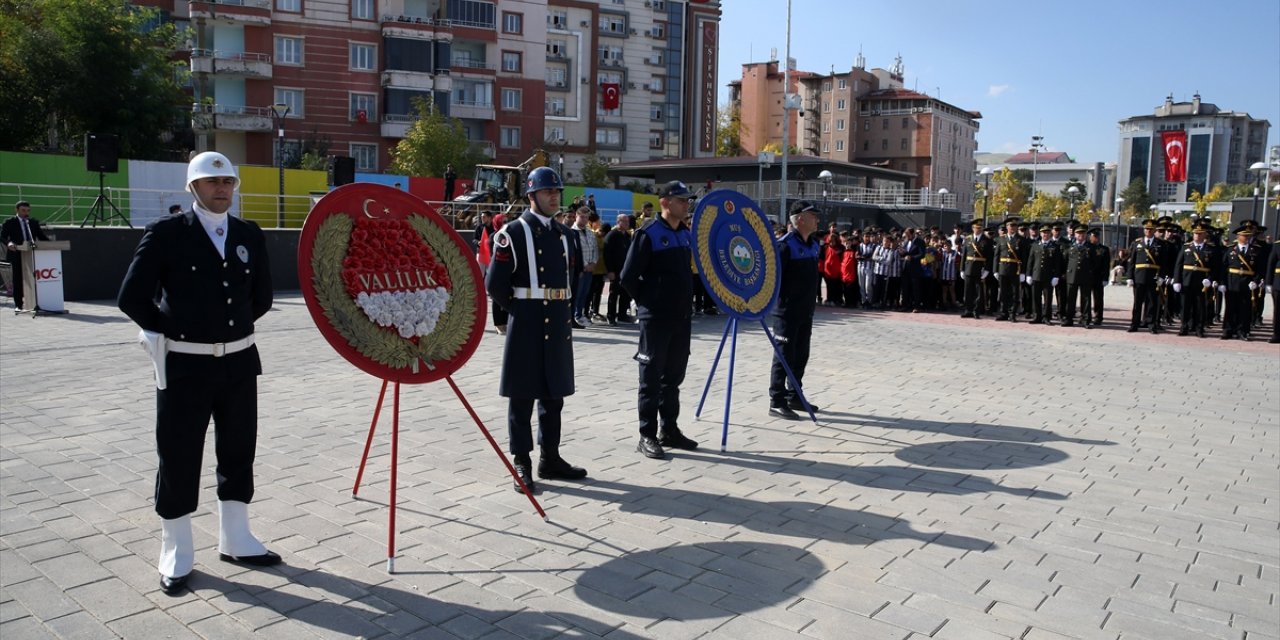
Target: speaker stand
x: 98, y: 212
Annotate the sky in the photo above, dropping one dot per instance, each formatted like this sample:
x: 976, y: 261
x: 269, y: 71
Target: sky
x: 1067, y: 71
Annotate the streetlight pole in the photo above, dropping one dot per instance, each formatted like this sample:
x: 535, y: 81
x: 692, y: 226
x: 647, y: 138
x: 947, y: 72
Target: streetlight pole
x: 786, y: 115
x: 825, y: 176
x: 1258, y: 168
x: 561, y: 163
x: 986, y: 190
x: 278, y: 113
x: 1073, y: 192
x: 1037, y: 143
x: 1115, y: 215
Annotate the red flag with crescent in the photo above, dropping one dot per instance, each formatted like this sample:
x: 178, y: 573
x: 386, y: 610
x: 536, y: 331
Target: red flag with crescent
x: 610, y: 95
x: 1175, y: 155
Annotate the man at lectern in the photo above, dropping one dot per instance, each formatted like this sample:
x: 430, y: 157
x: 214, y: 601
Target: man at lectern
x: 212, y: 273
x: 15, y: 232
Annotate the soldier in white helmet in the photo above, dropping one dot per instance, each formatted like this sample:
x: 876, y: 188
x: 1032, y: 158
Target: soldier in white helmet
x: 198, y: 281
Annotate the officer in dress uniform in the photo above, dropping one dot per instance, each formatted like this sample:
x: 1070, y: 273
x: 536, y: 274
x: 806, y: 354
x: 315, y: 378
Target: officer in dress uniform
x: 1259, y: 295
x: 797, y: 298
x: 1011, y: 257
x: 1143, y: 271
x: 1080, y: 275
x: 1171, y: 301
x: 1193, y: 276
x: 656, y: 274
x: 1244, y: 263
x: 535, y: 260
x: 1272, y: 277
x: 1044, y: 267
x: 1101, y: 273
x: 210, y: 271
x: 976, y: 253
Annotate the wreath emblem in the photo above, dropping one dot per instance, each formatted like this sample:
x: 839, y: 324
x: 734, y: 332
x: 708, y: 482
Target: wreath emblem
x: 740, y: 276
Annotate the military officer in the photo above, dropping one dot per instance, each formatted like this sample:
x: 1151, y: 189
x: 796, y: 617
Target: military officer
x: 535, y: 260
x: 1101, y: 273
x: 1193, y: 276
x: 210, y: 271
x: 1044, y: 268
x: 1011, y: 256
x: 1143, y: 271
x: 1080, y: 276
x: 656, y: 274
x: 976, y: 254
x: 1272, y: 277
x: 1243, y: 262
x: 797, y: 297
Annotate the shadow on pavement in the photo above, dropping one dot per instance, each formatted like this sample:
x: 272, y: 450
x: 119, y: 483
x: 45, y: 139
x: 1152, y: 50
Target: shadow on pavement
x: 976, y: 430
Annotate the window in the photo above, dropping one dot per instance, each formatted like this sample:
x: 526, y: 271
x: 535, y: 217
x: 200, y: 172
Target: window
x: 844, y: 84
x: 906, y: 122
x: 511, y: 61
x: 826, y: 106
x: 362, y: 56
x: 903, y: 144
x: 884, y: 124
x: 840, y: 104
x: 659, y: 31
x: 839, y: 145
x: 557, y: 48
x: 609, y: 136
x: 554, y: 107
x: 840, y: 125
x: 289, y: 5
x: 825, y: 148
x: 288, y: 50
x: 658, y: 84
x: 555, y: 134
x: 512, y: 22
x: 866, y: 145
x: 655, y: 139
x: 612, y: 24
x: 555, y: 77
x: 510, y: 137
x: 826, y: 86
x: 826, y: 127
x: 866, y: 125
x: 609, y: 77
x: 362, y: 9
x: 511, y: 99
x: 364, y: 103
x: 293, y: 98
x: 557, y: 19
x: 655, y: 58
x: 366, y: 156
x: 655, y: 112
x: 611, y: 55
x: 884, y: 145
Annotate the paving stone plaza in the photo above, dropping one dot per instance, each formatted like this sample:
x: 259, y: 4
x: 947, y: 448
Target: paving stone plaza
x: 966, y: 479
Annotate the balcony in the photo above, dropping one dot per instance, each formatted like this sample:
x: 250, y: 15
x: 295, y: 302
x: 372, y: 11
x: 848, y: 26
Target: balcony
x: 395, y: 125
x: 220, y: 117
x: 471, y: 109
x: 417, y: 28
x: 241, y: 12
x: 235, y: 64
x: 408, y: 80
x: 471, y: 66
x: 557, y: 85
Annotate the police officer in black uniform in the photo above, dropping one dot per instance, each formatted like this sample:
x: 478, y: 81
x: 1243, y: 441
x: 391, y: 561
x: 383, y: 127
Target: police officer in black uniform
x: 534, y: 261
x: 976, y: 253
x: 656, y: 274
x: 797, y: 298
x: 211, y: 272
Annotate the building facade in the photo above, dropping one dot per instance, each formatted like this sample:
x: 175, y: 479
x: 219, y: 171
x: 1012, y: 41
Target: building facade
x: 758, y: 96
x: 519, y: 74
x: 1222, y: 144
x: 866, y: 117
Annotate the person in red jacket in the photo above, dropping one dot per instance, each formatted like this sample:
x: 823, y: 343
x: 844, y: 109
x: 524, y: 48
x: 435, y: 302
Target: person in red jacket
x: 829, y: 266
x: 849, y: 271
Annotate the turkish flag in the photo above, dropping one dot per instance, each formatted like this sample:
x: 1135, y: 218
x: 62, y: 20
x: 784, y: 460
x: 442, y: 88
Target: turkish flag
x: 610, y: 95
x: 1175, y: 155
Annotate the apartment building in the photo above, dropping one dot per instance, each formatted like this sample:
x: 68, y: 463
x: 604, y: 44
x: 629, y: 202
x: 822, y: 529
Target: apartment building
x: 519, y: 74
x: 1221, y: 145
x: 865, y: 117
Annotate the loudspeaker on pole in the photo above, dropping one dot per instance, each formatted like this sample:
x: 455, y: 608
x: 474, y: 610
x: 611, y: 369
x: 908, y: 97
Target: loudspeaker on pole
x: 344, y: 170
x: 101, y: 152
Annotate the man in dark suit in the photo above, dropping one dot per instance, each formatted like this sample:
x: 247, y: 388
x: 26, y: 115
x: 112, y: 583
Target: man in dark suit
x: 450, y: 178
x: 211, y: 271
x: 911, y: 250
x: 976, y: 253
x: 616, y: 244
x: 535, y: 259
x: 17, y: 231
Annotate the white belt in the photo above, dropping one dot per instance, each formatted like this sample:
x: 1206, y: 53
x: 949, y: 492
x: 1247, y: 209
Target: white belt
x: 541, y: 293
x: 217, y: 349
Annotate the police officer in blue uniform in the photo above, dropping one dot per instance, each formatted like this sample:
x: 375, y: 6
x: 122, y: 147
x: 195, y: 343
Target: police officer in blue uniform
x: 797, y: 297
x: 656, y: 274
x: 209, y: 272
x: 535, y: 259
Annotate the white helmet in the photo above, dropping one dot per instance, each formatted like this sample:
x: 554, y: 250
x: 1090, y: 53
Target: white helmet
x: 210, y: 164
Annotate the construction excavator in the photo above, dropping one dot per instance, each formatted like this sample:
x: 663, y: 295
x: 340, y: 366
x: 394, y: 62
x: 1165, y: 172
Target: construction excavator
x: 496, y: 188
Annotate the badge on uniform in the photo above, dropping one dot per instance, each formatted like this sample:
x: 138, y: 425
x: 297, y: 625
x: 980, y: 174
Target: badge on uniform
x: 242, y: 253
x: 501, y: 240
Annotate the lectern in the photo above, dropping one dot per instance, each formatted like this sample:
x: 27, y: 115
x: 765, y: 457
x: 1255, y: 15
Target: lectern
x: 42, y: 276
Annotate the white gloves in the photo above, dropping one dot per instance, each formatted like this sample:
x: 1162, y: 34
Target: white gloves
x: 1207, y: 283
x: 1130, y: 284
x: 1026, y: 279
x: 1253, y: 286
x: 1222, y: 288
x: 963, y: 275
x: 985, y: 273
x: 1053, y: 283
x: 1177, y: 287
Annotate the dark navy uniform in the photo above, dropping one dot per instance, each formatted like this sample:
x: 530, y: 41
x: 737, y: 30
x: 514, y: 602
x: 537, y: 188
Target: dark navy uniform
x: 793, y: 327
x: 1044, y: 263
x: 1101, y: 274
x: 205, y: 299
x: 656, y: 274
x: 1144, y: 275
x: 531, y: 281
x: 1272, y: 278
x: 1194, y: 266
x: 976, y: 255
x: 1242, y: 266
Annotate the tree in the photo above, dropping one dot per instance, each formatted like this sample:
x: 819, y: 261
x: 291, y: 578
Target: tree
x: 1081, y: 190
x: 312, y: 154
x: 432, y: 143
x: 776, y: 148
x: 1006, y: 186
x: 69, y: 67
x: 729, y: 130
x: 595, y: 171
x: 1136, y: 200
